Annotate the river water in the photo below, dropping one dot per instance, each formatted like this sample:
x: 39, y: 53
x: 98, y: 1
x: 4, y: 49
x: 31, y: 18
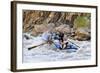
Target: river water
x: 46, y: 53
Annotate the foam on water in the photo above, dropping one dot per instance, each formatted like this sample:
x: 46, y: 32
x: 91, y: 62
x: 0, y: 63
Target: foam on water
x: 45, y: 53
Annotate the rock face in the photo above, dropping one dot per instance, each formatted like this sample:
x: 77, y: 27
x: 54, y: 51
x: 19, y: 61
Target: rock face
x: 38, y: 22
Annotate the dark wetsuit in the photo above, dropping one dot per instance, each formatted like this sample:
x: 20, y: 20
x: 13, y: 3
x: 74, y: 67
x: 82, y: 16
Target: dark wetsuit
x: 61, y: 36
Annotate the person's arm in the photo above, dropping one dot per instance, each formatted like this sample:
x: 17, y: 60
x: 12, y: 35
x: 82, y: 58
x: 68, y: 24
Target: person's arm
x: 50, y: 39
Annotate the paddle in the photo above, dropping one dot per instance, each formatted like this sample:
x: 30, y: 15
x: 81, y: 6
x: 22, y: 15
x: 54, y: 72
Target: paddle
x: 36, y: 46
x: 40, y: 44
x: 74, y: 44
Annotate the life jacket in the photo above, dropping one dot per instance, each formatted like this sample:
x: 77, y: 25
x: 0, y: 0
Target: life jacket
x: 46, y: 36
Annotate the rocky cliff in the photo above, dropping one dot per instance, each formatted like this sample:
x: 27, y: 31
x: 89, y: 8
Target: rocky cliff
x: 72, y: 23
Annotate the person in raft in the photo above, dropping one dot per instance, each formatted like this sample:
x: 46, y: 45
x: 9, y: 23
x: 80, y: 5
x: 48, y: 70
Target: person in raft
x: 47, y: 37
x: 55, y: 38
x: 59, y: 41
x: 52, y: 36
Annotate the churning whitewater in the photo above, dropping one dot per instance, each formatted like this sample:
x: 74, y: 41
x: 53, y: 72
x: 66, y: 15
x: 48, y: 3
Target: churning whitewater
x: 46, y: 52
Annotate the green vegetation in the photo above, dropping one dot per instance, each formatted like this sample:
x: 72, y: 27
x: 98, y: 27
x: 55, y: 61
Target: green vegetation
x: 81, y: 21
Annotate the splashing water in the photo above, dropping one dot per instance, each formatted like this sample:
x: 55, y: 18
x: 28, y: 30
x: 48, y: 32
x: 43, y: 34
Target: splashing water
x: 46, y: 52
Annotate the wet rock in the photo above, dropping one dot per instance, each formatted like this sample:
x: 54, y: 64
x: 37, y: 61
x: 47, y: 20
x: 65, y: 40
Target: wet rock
x: 82, y: 34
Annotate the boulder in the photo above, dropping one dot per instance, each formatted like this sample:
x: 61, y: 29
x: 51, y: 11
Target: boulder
x: 82, y: 34
x: 38, y: 29
x: 63, y: 28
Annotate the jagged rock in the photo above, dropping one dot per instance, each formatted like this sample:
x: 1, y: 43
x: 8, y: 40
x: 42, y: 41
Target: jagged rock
x: 31, y: 17
x: 37, y: 22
